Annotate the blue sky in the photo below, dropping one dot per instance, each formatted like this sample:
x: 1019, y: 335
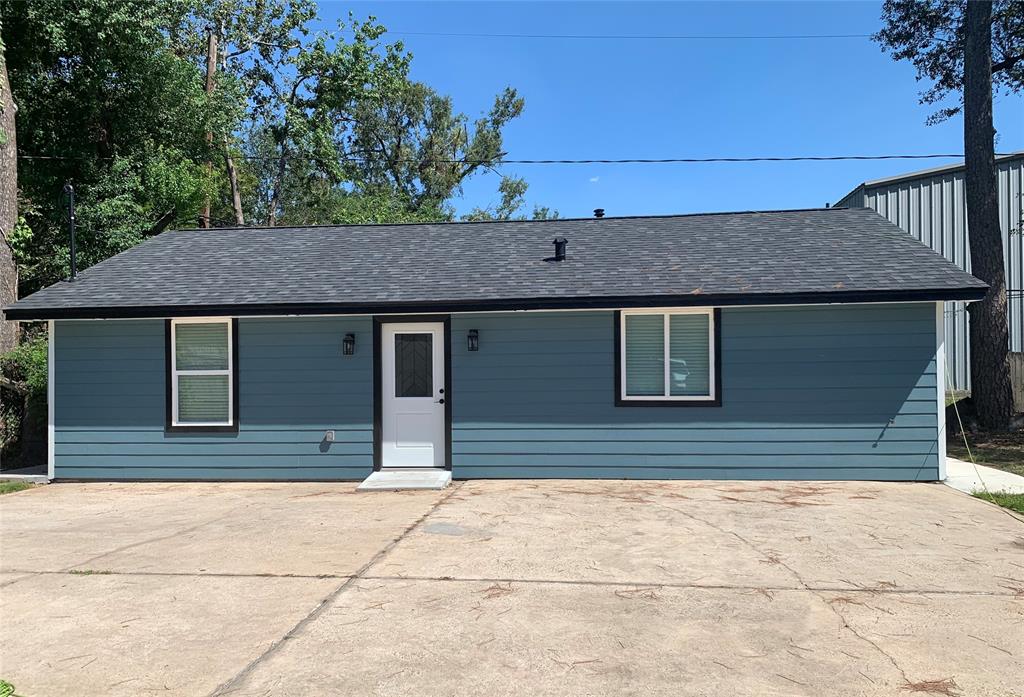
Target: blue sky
x: 670, y: 98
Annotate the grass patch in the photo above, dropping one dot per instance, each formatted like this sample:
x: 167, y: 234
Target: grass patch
x: 955, y: 396
x: 1004, y: 451
x: 1015, y: 502
x: 6, y: 689
x: 10, y: 488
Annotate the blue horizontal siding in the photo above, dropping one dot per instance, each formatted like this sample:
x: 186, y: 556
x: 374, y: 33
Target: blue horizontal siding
x: 821, y: 392
x: 817, y: 392
x: 294, y: 385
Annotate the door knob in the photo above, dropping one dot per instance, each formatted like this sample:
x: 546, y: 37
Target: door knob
x: 439, y: 401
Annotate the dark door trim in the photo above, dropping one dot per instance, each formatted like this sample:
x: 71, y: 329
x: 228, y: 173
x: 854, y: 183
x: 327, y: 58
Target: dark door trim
x: 378, y: 406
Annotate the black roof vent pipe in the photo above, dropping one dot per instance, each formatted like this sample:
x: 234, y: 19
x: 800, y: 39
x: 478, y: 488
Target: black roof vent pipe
x: 598, y: 212
x: 560, y: 243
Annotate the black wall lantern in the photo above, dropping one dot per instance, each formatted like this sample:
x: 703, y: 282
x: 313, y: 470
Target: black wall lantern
x: 473, y: 340
x: 348, y: 344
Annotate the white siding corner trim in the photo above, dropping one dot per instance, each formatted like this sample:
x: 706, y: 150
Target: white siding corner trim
x: 51, y: 428
x: 940, y: 386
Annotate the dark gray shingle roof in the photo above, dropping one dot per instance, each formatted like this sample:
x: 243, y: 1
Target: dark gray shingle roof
x: 826, y: 255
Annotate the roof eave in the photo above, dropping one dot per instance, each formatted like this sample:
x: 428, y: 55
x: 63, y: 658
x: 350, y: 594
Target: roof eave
x: 969, y: 293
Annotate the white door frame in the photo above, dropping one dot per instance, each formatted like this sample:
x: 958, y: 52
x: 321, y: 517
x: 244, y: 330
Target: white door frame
x: 438, y: 406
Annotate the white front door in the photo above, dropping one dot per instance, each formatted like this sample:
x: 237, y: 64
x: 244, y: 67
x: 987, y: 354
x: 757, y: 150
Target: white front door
x: 412, y: 395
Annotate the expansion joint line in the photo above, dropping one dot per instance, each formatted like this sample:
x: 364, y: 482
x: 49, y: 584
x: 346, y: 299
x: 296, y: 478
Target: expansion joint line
x: 239, y: 678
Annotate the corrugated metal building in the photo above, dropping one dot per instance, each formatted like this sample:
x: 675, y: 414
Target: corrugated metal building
x: 931, y: 206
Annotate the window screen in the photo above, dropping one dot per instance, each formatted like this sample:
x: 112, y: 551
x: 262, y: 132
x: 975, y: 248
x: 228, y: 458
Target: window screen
x: 689, y: 369
x: 645, y: 355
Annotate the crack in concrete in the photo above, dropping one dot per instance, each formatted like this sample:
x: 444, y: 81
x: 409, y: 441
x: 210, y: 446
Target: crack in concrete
x: 159, y: 538
x: 192, y: 574
x: 116, y: 550
x: 696, y: 586
x: 236, y: 681
x: 874, y: 644
x: 28, y: 574
x: 800, y: 580
x: 538, y: 581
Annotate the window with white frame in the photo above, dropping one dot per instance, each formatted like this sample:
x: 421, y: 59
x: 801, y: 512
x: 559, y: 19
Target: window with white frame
x: 667, y: 355
x: 202, y: 362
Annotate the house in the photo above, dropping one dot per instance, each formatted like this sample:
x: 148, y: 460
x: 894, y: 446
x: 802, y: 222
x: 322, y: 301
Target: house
x: 931, y: 205
x: 801, y: 344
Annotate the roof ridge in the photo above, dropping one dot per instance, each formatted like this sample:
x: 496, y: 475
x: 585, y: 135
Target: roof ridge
x: 547, y: 220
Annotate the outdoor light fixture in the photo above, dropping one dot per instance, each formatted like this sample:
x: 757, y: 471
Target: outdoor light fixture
x: 473, y: 340
x: 348, y: 344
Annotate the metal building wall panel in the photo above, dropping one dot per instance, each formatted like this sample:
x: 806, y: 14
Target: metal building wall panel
x: 932, y: 208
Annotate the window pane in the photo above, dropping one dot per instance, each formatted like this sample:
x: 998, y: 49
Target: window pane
x: 414, y: 365
x: 645, y: 355
x: 203, y: 398
x: 689, y: 359
x: 201, y: 346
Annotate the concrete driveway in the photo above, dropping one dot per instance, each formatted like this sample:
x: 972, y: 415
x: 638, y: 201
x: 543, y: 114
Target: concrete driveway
x: 492, y: 588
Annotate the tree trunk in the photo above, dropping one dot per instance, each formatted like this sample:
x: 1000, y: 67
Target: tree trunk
x: 990, y: 366
x: 211, y: 70
x: 236, y: 194
x: 8, y: 206
x: 275, y: 196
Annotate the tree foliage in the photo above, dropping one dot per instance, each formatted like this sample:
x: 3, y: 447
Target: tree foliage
x: 312, y: 126
x: 122, y: 116
x: 513, y: 195
x: 930, y: 34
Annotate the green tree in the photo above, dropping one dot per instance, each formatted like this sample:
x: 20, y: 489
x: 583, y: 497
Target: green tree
x: 300, y: 108
x: 236, y: 42
x: 338, y: 132
x: 124, y: 116
x: 966, y: 50
x: 931, y: 35
x: 513, y: 198
x: 416, y: 145
x: 137, y: 101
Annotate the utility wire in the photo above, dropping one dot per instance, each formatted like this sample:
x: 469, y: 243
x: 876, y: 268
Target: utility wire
x: 631, y: 160
x: 627, y: 37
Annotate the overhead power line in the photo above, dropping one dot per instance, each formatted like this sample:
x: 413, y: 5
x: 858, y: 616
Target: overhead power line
x: 602, y: 161
x: 684, y: 160
x: 628, y: 37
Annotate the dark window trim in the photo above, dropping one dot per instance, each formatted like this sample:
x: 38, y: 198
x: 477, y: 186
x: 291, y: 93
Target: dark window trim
x: 715, y: 401
x: 378, y: 406
x: 169, y: 426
